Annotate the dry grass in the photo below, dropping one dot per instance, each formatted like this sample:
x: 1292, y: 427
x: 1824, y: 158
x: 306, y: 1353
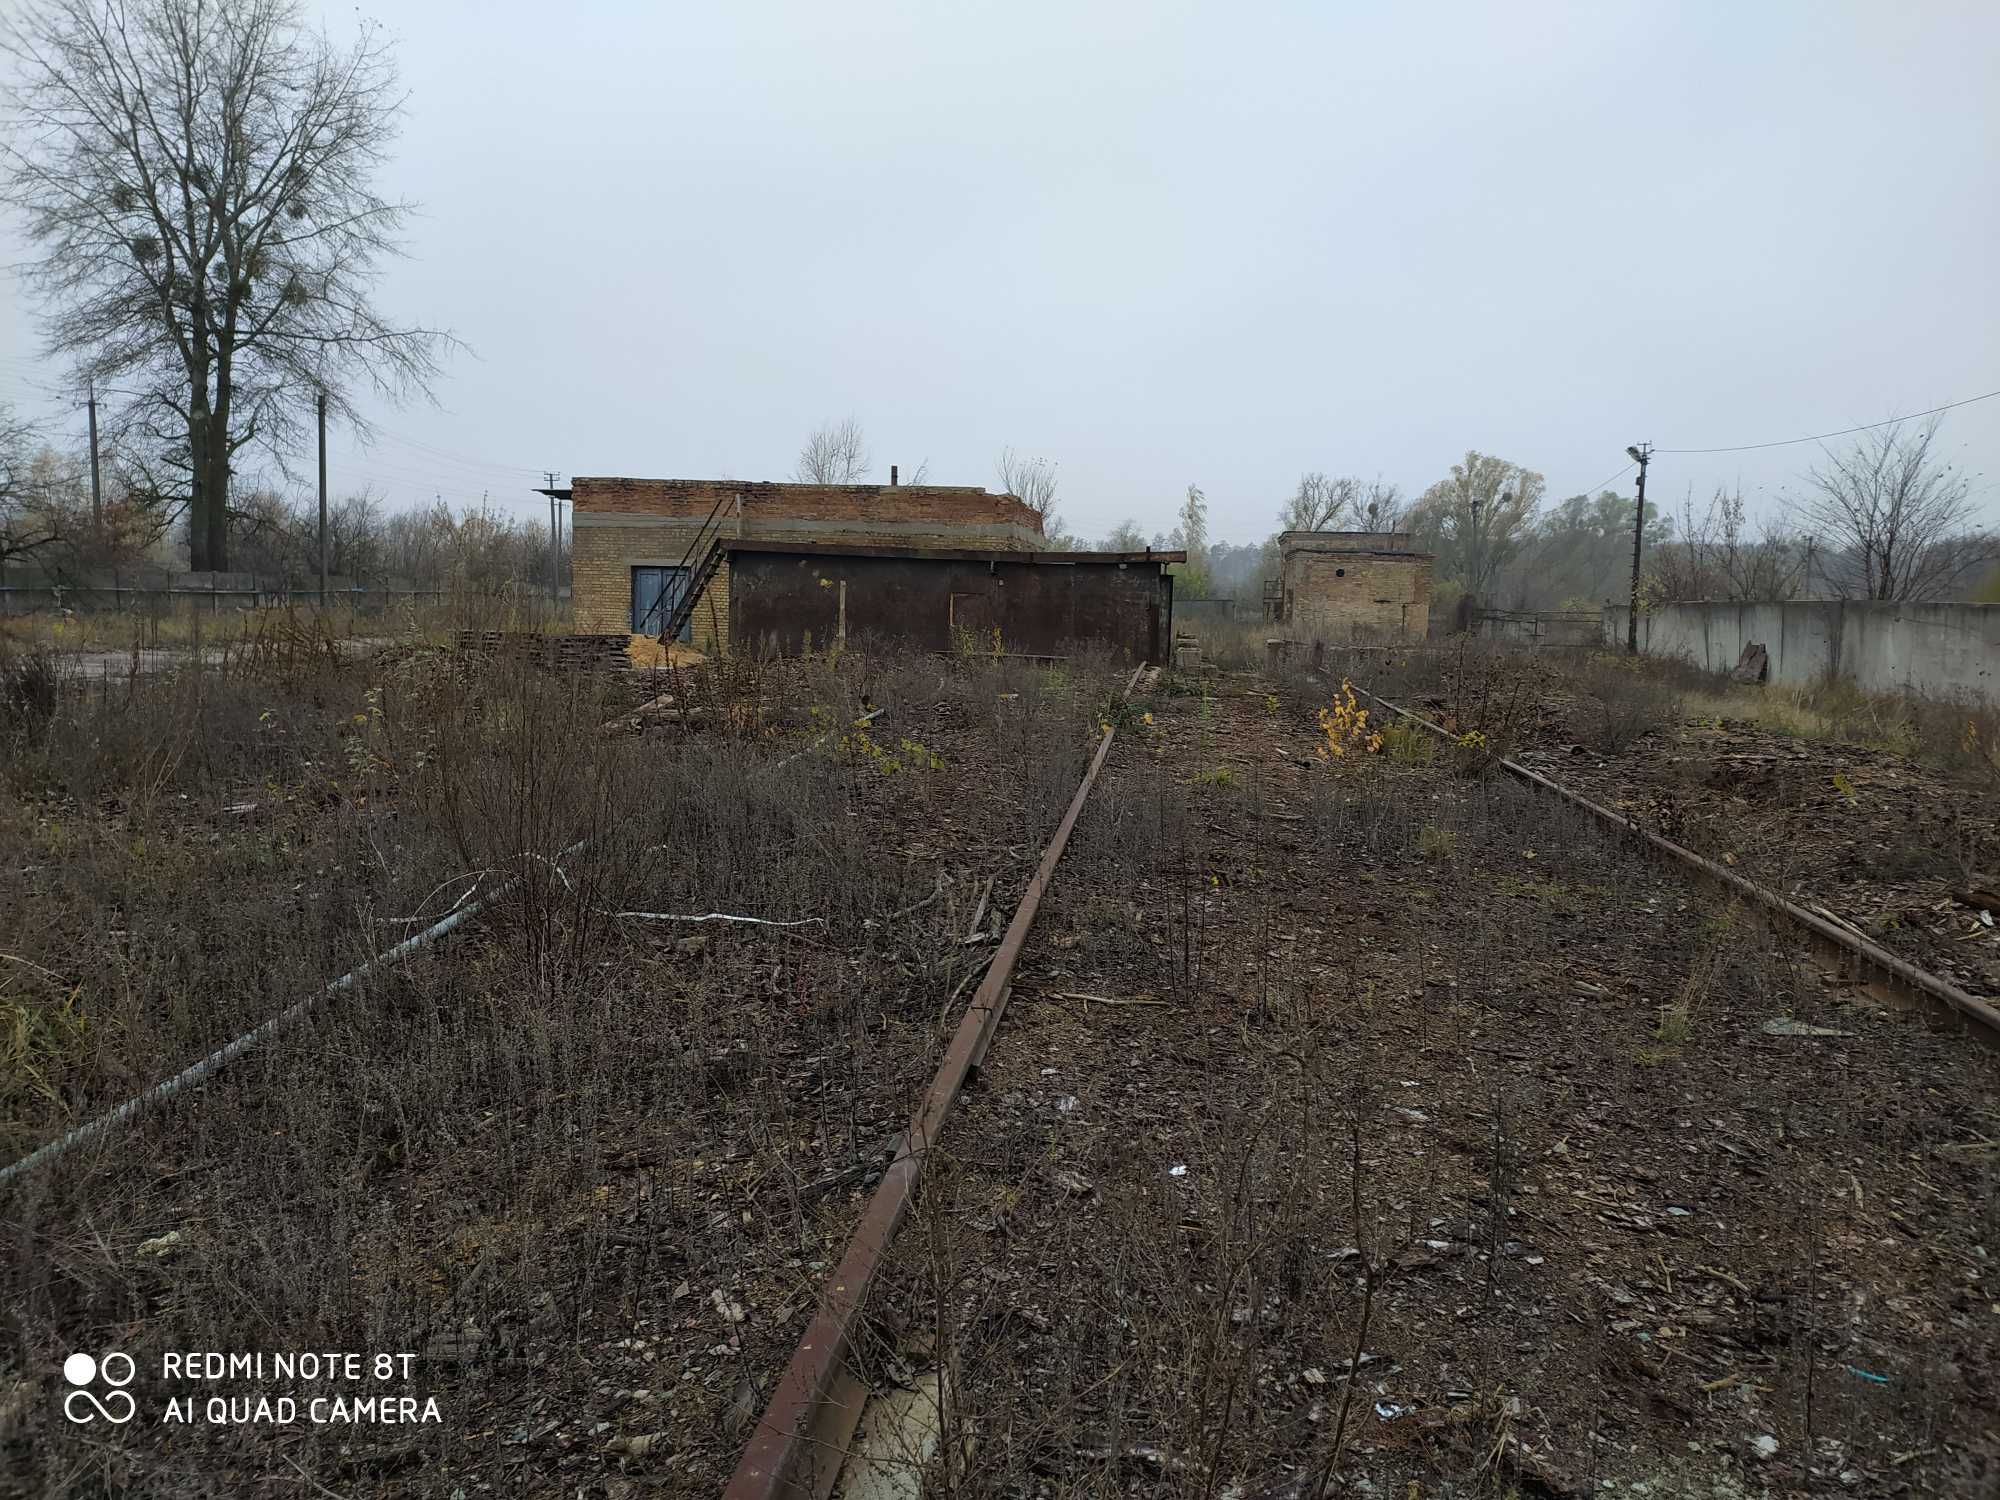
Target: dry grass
x: 1435, y: 1071
x: 1957, y: 735
x: 190, y: 624
x: 647, y: 651
x: 518, y: 1144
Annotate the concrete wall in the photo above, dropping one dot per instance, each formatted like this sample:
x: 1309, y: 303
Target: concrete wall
x: 620, y: 524
x: 1548, y: 627
x: 1940, y: 650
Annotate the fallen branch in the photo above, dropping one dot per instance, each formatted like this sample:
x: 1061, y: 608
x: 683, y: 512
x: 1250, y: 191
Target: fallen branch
x: 465, y: 897
x: 1089, y: 1000
x: 1840, y: 921
x: 937, y: 890
x: 973, y: 933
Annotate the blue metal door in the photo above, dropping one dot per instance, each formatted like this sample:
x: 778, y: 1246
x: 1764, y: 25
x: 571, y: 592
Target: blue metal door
x: 655, y: 593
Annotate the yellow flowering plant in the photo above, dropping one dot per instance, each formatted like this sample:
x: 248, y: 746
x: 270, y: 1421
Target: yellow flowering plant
x: 1345, y: 725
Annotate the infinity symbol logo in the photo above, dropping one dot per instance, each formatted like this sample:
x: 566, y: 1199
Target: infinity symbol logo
x: 81, y: 1370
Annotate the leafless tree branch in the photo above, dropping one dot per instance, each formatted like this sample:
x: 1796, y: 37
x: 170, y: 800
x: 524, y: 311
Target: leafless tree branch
x: 836, y: 453
x: 1904, y: 517
x: 197, y: 177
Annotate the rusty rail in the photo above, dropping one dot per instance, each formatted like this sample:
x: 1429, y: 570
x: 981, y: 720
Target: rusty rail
x: 1867, y: 964
x: 796, y: 1451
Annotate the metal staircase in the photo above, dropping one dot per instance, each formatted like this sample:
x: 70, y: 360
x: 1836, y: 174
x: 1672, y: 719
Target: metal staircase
x: 697, y: 569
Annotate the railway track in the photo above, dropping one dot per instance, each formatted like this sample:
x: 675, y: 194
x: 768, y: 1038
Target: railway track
x: 1867, y: 965
x: 806, y: 1431
x: 798, y: 1446
x: 809, y: 1424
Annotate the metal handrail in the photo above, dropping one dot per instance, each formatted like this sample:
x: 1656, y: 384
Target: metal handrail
x: 697, y: 581
x: 708, y: 532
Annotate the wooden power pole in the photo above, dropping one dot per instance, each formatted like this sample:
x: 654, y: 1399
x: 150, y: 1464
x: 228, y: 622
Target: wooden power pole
x: 322, y: 500
x: 96, y: 475
x: 1642, y: 454
x: 555, y: 541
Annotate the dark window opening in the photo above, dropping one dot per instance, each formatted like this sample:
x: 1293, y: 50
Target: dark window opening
x: 655, y: 592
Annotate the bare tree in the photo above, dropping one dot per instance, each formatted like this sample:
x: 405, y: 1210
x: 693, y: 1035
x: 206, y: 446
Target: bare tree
x: 1904, y: 516
x: 197, y: 175
x: 1032, y: 481
x: 1381, y: 506
x: 836, y: 453
x: 1319, y: 503
x: 25, y: 526
x: 1322, y: 504
x: 1715, y: 554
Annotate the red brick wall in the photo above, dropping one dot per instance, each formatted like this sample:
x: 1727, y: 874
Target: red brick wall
x: 945, y: 505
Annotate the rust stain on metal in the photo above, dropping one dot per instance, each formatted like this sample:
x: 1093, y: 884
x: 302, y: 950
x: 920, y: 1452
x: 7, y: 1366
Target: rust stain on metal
x: 796, y: 1451
x: 1866, y: 962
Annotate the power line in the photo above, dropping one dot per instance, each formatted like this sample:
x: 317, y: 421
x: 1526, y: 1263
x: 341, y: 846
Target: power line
x: 446, y: 453
x: 394, y: 461
x: 1591, y: 490
x: 1820, y: 437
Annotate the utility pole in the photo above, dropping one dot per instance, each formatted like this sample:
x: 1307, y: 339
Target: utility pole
x: 555, y: 539
x: 321, y: 405
x: 1642, y: 455
x: 96, y: 476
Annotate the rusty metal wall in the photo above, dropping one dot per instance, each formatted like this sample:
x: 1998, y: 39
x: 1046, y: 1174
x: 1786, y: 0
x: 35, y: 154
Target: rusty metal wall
x: 780, y: 600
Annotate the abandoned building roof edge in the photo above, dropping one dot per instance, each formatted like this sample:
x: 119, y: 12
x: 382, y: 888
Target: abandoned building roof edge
x: 946, y: 554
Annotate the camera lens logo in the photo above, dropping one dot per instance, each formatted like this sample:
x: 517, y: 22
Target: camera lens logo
x: 117, y: 1369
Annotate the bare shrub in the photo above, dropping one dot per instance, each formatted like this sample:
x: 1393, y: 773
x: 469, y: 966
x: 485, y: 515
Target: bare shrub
x: 1618, y: 707
x: 31, y: 687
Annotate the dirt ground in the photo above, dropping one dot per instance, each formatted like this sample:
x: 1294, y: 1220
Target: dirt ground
x: 587, y: 1167
x: 1291, y: 1031
x: 1890, y: 846
x: 1314, y: 1067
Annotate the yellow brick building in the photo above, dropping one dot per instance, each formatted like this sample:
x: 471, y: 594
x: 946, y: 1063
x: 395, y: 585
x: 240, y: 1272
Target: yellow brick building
x: 636, y: 538
x: 1347, y: 585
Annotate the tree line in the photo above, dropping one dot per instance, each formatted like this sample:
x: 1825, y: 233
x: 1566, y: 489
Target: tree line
x: 48, y: 522
x: 1887, y: 517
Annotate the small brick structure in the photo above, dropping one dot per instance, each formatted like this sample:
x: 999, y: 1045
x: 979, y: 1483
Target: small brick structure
x: 1348, y: 585
x: 623, y: 525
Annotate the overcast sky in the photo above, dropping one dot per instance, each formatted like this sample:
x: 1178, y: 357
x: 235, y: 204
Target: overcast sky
x: 1164, y: 244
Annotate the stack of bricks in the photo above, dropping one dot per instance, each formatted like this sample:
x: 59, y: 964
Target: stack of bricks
x: 562, y: 653
x: 622, y: 524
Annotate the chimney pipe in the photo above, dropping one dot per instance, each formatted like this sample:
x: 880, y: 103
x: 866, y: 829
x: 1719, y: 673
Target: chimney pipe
x: 892, y: 474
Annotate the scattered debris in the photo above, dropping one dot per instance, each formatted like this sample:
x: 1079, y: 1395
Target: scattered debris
x: 898, y: 1435
x: 638, y: 1446
x: 1073, y: 1183
x: 1786, y: 1026
x: 1754, y: 665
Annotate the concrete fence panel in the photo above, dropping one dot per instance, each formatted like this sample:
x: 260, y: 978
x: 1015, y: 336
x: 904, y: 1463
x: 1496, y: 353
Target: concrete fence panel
x: 1942, y: 650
